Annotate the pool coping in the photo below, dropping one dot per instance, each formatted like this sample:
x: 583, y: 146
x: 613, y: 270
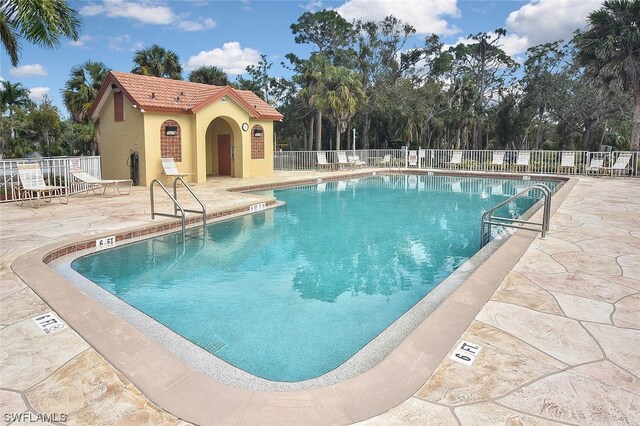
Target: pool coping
x: 190, y: 395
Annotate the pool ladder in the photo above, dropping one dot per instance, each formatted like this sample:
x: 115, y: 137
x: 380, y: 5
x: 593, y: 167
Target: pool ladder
x: 176, y: 205
x: 488, y: 219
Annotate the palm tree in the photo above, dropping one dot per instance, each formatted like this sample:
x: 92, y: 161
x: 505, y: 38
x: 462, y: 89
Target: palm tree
x: 42, y: 22
x: 82, y: 87
x: 310, y: 73
x: 339, y: 95
x: 610, y: 52
x: 209, y: 75
x: 14, y: 96
x: 157, y: 61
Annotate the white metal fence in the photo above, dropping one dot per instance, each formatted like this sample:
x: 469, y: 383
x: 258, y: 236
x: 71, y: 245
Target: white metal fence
x: 529, y: 162
x: 54, y: 170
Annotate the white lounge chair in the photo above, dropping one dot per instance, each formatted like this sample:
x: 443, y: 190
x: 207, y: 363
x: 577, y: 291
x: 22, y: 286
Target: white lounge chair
x: 595, y: 166
x: 497, y: 160
x: 355, y: 161
x: 32, y: 182
x: 322, y: 160
x: 619, y: 166
x: 456, y: 159
x: 92, y: 182
x: 522, y: 161
x: 171, y: 170
x: 567, y: 161
x: 343, y: 161
x: 385, y: 161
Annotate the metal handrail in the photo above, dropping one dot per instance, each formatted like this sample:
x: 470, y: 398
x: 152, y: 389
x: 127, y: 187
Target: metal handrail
x: 488, y: 219
x: 175, y: 196
x: 176, y: 206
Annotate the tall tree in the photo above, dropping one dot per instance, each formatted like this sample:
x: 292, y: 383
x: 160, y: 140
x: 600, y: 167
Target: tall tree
x: 157, y: 61
x: 331, y: 34
x: 610, y: 52
x: 379, y: 62
x: 82, y: 87
x: 44, y: 123
x: 489, y: 67
x: 542, y: 72
x: 310, y: 73
x: 209, y: 75
x: 327, y: 30
x: 339, y: 96
x: 259, y: 80
x: 43, y: 23
x: 14, y: 96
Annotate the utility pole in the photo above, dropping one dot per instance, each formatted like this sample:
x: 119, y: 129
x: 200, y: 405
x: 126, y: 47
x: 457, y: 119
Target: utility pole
x: 354, y: 141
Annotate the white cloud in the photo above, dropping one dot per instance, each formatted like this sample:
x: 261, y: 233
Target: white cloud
x: 544, y: 21
x: 37, y: 93
x: 199, y: 25
x: 425, y: 15
x: 144, y: 11
x: 147, y: 12
x: 513, y: 44
x: 116, y: 42
x: 314, y: 6
x: 28, y: 71
x: 81, y: 41
x: 232, y: 58
x: 123, y: 42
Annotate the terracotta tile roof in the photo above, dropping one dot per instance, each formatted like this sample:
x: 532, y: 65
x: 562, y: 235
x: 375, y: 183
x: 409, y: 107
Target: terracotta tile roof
x: 163, y: 94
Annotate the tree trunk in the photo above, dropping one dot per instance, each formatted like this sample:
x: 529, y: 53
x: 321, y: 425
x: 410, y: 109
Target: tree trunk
x: 586, y: 136
x: 539, y: 134
x: 337, y: 138
x: 477, y: 133
x: 635, y: 132
x: 365, y: 131
x: 312, y: 120
x: 319, y: 131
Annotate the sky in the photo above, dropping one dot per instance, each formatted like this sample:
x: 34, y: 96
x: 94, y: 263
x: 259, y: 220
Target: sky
x: 233, y: 34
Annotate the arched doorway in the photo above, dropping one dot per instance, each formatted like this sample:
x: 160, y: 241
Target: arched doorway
x: 224, y: 148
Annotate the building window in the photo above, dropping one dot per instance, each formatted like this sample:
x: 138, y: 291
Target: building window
x: 257, y: 142
x: 118, y: 106
x: 171, y: 140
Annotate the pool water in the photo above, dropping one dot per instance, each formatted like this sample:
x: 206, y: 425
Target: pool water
x: 289, y: 294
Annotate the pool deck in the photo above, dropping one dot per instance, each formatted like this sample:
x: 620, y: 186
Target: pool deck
x: 560, y: 336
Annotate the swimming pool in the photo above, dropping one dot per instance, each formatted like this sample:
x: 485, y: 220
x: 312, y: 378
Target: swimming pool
x: 290, y: 294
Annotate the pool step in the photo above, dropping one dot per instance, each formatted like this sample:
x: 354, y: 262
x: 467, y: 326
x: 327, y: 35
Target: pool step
x: 213, y: 344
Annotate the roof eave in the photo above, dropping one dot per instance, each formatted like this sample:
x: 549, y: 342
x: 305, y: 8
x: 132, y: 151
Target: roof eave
x: 94, y: 111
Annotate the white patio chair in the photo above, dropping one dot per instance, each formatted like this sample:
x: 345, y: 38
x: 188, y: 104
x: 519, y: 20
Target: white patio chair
x: 456, y: 159
x: 355, y: 160
x: 497, y: 160
x: 170, y: 170
x: 92, y: 182
x: 595, y: 166
x: 32, y: 182
x: 619, y: 166
x: 385, y: 161
x: 567, y: 161
x: 523, y: 161
x: 343, y: 161
x: 322, y: 160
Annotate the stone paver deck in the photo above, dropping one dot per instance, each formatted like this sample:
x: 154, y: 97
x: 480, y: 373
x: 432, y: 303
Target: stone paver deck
x: 560, y: 337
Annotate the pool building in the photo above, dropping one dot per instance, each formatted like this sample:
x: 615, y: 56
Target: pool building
x: 208, y: 130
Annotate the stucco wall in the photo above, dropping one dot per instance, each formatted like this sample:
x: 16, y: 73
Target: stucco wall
x: 199, y: 142
x: 260, y: 167
x: 116, y: 138
x: 152, y: 124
